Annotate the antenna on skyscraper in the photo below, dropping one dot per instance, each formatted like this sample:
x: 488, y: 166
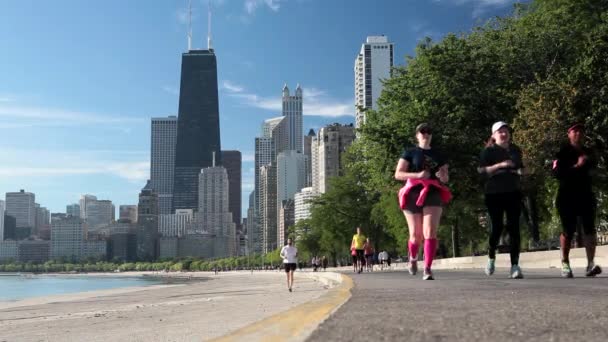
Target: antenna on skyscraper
x: 189, y: 25
x: 209, y: 25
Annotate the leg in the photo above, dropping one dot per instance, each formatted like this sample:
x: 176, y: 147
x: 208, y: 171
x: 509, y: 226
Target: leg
x: 590, y: 233
x: 430, y: 223
x: 569, y: 220
x: 494, y: 203
x: 291, y: 279
x: 513, y: 215
x: 414, y: 224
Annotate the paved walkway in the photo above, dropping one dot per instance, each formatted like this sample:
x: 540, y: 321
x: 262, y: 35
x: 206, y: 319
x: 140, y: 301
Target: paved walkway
x: 197, y: 311
x: 466, y: 305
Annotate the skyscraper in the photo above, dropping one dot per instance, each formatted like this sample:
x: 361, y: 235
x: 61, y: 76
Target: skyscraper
x: 129, y: 212
x: 214, y: 211
x: 268, y: 207
x: 68, y: 238
x: 291, y: 174
x: 327, y: 149
x: 147, y: 224
x: 198, y: 127
x: 2, y: 210
x: 162, y: 160
x: 22, y: 206
x: 372, y: 65
x: 99, y: 213
x: 292, y: 110
x: 73, y: 210
x: 84, y: 201
x: 307, y: 152
x: 232, y: 161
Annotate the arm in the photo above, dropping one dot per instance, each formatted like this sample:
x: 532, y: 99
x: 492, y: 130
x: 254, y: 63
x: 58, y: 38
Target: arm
x: 443, y: 174
x: 490, y: 169
x: 402, y: 174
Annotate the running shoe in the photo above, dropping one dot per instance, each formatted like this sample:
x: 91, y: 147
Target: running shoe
x: 566, y: 270
x: 428, y: 274
x: 413, y: 267
x: 593, y: 270
x: 290, y: 289
x: 490, y: 267
x: 516, y: 272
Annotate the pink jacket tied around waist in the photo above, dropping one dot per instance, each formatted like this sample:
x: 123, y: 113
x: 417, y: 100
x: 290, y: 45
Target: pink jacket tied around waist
x: 445, y: 193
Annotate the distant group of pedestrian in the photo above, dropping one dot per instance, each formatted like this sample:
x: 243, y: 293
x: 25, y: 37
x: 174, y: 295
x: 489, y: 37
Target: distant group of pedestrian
x: 318, y: 263
x: 364, y: 255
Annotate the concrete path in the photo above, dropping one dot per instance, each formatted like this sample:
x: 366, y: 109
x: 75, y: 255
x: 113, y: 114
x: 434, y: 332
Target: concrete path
x: 466, y: 305
x: 199, y: 310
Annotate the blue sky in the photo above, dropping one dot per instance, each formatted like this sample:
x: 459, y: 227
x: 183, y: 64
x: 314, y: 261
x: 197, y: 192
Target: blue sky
x: 80, y: 80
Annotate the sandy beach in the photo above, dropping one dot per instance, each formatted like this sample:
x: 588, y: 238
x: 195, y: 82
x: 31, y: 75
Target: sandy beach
x: 204, y: 307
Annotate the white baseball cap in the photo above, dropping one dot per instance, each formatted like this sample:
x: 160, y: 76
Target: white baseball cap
x: 498, y: 125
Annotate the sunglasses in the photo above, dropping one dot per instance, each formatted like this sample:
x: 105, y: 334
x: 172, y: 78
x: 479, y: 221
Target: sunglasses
x: 425, y: 131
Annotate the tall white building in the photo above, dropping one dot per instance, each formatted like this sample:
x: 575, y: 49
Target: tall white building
x: 327, y: 149
x: 68, y: 238
x: 175, y: 225
x: 22, y: 206
x: 302, y: 203
x: 2, y: 210
x: 292, y: 110
x: 213, y: 210
x: 372, y: 65
x: 162, y: 161
x: 84, y: 202
x: 268, y: 207
x: 291, y: 174
x: 308, y: 153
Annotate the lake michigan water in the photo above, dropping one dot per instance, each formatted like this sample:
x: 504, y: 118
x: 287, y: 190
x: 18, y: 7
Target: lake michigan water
x: 16, y: 287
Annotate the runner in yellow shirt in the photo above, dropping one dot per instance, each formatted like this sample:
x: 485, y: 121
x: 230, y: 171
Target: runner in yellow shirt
x: 358, y: 243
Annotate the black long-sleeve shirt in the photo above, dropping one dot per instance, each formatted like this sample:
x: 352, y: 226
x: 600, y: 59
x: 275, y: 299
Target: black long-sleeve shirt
x: 574, y: 179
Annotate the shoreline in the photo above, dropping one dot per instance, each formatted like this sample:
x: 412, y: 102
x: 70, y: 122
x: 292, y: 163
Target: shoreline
x: 189, y: 311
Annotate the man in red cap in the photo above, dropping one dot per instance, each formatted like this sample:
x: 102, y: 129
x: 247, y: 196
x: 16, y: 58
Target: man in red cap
x: 575, y: 198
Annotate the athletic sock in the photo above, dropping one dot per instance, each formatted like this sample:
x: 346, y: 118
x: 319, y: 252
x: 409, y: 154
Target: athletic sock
x: 430, y: 248
x: 565, y: 244
x: 413, y: 248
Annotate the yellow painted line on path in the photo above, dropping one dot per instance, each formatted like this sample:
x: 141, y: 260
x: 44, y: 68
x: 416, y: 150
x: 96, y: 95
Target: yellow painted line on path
x: 295, y: 324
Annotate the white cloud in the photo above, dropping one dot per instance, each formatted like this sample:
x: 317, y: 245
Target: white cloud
x: 248, y: 157
x: 480, y: 6
x: 133, y: 171
x: 316, y: 101
x: 21, y: 116
x: 131, y: 165
x: 252, y: 5
x: 231, y: 87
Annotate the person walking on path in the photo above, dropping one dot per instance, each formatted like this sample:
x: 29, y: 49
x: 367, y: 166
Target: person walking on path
x: 421, y: 199
x: 358, y: 243
x: 368, y: 251
x: 353, y: 253
x: 501, y: 163
x: 575, y: 198
x: 289, y: 253
x: 324, y: 263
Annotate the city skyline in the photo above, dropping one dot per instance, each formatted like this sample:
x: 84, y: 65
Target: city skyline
x: 67, y: 129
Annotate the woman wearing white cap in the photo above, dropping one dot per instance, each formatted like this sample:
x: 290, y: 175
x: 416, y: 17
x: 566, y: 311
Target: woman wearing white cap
x: 501, y: 162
